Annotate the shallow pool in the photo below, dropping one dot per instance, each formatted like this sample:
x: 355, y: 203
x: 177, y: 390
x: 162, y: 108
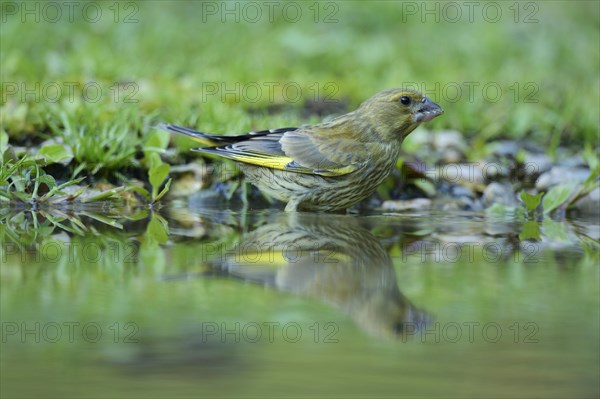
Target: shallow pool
x: 221, y: 303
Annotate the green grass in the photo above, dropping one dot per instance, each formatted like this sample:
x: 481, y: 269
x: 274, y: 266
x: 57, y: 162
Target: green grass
x: 101, y: 86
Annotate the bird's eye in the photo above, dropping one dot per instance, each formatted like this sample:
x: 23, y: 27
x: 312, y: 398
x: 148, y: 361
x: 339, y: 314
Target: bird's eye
x: 424, y: 100
x: 405, y: 100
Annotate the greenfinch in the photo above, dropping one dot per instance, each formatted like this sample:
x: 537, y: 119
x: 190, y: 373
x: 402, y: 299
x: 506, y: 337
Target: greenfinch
x: 329, y: 166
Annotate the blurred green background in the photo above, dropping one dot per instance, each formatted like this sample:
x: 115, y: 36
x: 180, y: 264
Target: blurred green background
x: 499, y: 69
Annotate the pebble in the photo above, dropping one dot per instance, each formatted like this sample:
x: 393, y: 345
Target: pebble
x: 460, y: 173
x: 185, y: 185
x: 561, y: 174
x: 493, y: 170
x: 188, y: 179
x: 506, y: 148
x: 458, y: 204
x: 461, y: 191
x: 536, y: 164
x: 448, y: 139
x: 572, y: 162
x: 406, y: 205
x: 452, y: 155
x: 498, y: 193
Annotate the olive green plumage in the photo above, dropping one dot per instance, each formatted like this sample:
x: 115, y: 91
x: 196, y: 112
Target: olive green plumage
x: 329, y: 166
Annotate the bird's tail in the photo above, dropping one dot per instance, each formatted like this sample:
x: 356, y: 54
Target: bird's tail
x: 205, y: 139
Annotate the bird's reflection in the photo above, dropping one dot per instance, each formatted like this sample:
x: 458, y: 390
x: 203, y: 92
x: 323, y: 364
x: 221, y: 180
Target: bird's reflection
x: 331, y: 258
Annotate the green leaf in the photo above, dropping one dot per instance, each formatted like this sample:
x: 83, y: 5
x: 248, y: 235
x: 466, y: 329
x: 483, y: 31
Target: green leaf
x: 425, y: 186
x: 591, y: 158
x: 21, y: 195
x: 76, y: 194
x: 157, y: 140
x: 504, y: 212
x: 531, y: 201
x: 555, y: 231
x: 54, y: 153
x: 57, y: 189
x: 103, y: 219
x: 153, y: 160
x: 157, y: 230
x: 103, y: 195
x: 9, y: 169
x: 57, y: 220
x: 163, y: 192
x: 47, y: 180
x: 557, y: 196
x: 157, y: 175
x: 530, y: 231
x: 589, y: 185
x: 138, y: 215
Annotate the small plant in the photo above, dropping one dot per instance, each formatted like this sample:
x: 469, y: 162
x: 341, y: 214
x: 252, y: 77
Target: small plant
x: 562, y: 196
x: 108, y: 146
x: 530, y: 201
x: 157, y: 169
x: 25, y: 184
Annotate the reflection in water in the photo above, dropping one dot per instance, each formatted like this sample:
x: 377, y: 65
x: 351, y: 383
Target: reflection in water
x: 468, y: 268
x: 333, y: 259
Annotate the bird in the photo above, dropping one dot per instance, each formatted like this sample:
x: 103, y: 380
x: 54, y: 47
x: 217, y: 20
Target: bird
x: 331, y: 258
x: 329, y: 166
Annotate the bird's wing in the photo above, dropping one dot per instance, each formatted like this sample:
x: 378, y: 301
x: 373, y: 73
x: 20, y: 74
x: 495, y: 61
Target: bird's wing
x: 325, y: 152
x: 258, y: 148
x: 263, y: 151
x: 307, y: 150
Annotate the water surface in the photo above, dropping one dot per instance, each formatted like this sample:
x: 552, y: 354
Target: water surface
x: 221, y: 303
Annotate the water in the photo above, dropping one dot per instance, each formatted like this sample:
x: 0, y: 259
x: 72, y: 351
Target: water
x: 220, y: 303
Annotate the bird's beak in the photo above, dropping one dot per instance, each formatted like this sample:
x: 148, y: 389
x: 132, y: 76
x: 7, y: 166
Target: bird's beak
x: 427, y: 111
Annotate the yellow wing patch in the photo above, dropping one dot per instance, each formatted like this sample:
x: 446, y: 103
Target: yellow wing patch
x: 271, y: 162
x: 278, y: 162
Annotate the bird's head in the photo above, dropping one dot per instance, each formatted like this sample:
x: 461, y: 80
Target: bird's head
x: 394, y: 113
